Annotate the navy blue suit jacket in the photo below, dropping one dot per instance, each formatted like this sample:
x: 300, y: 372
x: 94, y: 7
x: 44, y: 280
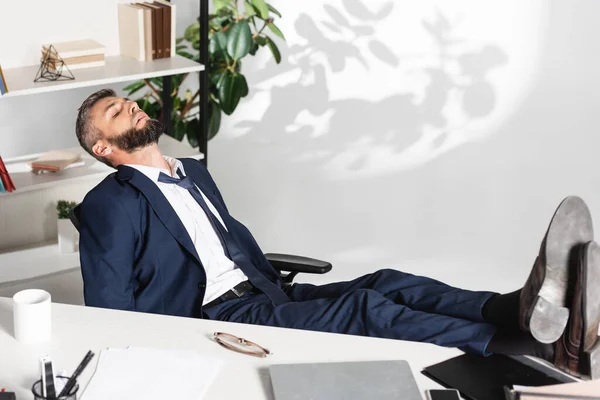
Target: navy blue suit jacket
x: 137, y: 255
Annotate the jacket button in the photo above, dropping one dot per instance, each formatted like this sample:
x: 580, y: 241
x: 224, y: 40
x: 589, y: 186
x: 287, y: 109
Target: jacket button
x: 201, y: 285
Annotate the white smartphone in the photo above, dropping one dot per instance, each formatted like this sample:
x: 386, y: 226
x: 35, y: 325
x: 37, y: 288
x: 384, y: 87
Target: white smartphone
x: 442, y: 394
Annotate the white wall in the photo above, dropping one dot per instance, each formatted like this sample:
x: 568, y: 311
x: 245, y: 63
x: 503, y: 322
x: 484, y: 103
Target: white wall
x: 435, y: 137
x: 383, y: 146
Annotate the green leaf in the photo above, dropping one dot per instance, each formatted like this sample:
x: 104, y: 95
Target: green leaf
x: 216, y: 78
x: 250, y: 10
x: 239, y: 40
x: 218, y: 44
x: 196, y: 44
x: 186, y: 54
x: 214, y: 122
x: 134, y: 87
x: 276, y: 30
x: 245, y: 89
x: 192, y: 131
x: 192, y: 32
x: 262, y: 8
x: 254, y: 48
x: 231, y: 92
x: 218, y: 5
x: 260, y: 40
x: 273, y: 10
x: 274, y: 49
x: 179, y: 128
x: 157, y: 81
x: 179, y: 40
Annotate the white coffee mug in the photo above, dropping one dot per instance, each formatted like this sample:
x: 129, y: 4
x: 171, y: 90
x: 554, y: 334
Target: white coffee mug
x: 32, y: 316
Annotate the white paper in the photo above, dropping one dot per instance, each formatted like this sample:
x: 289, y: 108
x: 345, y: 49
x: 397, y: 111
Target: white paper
x: 145, y: 373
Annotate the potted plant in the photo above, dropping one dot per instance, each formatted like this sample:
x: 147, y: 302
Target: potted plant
x: 237, y: 28
x: 68, y: 237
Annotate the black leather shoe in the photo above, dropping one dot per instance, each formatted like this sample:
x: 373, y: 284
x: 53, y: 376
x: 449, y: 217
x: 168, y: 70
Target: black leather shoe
x: 578, y: 350
x: 543, y: 303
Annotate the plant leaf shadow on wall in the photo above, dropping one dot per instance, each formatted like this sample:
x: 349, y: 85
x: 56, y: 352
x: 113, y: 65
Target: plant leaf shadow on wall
x: 354, y: 137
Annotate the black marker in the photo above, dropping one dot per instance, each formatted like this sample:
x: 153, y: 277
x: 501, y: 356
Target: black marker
x: 71, y: 382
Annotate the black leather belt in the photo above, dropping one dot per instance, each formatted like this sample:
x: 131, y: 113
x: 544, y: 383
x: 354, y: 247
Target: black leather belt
x: 238, y: 291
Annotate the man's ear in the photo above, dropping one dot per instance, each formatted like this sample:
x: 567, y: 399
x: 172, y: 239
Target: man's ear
x: 102, y: 149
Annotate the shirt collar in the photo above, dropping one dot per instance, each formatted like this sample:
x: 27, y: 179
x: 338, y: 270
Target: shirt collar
x: 154, y: 172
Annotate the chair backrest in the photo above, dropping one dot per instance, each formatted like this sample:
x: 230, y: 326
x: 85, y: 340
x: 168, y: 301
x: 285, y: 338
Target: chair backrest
x: 74, y: 216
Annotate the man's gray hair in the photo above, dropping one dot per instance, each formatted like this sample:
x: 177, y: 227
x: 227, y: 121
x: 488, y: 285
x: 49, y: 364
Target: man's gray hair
x: 86, y: 132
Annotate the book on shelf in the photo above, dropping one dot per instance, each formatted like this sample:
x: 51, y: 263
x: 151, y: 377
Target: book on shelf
x: 166, y: 28
x: 55, y: 160
x: 74, y: 63
x: 147, y: 30
x: 75, y: 164
x: 76, y: 54
x: 131, y: 31
x: 76, y: 48
x: 3, y: 85
x: 171, y: 31
x: 157, y: 31
x: 7, y: 182
x: 149, y: 35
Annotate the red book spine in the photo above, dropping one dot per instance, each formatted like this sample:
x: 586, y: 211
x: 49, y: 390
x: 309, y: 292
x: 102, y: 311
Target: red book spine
x: 6, y: 181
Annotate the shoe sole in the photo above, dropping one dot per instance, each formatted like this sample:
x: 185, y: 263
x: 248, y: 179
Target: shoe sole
x: 591, y: 310
x: 571, y: 226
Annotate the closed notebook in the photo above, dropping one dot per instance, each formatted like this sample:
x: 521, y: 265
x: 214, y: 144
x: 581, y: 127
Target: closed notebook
x: 567, y: 391
x: 55, y: 160
x: 131, y: 31
x: 149, y: 41
x: 156, y: 26
x: 356, y: 380
x: 166, y: 28
x: 76, y: 48
x: 73, y: 63
x: 172, y: 26
x: 158, y: 29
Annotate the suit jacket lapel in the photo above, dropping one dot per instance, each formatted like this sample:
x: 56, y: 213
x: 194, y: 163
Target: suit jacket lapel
x: 161, y: 206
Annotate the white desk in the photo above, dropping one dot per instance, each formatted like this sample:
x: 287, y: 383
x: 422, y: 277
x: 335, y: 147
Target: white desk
x: 77, y: 329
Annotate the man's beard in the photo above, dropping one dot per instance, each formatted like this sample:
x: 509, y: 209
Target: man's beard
x: 135, y: 139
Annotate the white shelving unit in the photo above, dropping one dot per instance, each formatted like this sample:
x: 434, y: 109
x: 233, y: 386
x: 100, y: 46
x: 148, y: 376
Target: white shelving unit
x: 35, y: 261
x: 25, y: 180
x: 117, y: 69
x: 45, y: 258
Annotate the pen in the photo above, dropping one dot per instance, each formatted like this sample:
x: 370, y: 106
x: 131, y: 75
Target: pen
x: 71, y: 382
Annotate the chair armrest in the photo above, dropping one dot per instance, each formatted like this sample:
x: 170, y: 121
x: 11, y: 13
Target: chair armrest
x: 291, y: 263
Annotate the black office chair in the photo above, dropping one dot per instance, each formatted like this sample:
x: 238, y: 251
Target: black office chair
x: 291, y: 264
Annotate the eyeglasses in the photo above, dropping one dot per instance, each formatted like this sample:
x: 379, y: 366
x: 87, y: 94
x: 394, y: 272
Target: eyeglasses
x: 240, y: 345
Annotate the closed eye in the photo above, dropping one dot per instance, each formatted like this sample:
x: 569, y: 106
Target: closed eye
x: 116, y: 114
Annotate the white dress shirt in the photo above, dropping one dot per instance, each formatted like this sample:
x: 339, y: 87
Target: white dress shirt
x: 221, y: 273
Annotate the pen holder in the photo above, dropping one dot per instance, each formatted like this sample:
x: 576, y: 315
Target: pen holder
x: 61, y: 381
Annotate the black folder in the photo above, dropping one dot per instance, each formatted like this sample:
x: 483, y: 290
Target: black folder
x: 484, y: 378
